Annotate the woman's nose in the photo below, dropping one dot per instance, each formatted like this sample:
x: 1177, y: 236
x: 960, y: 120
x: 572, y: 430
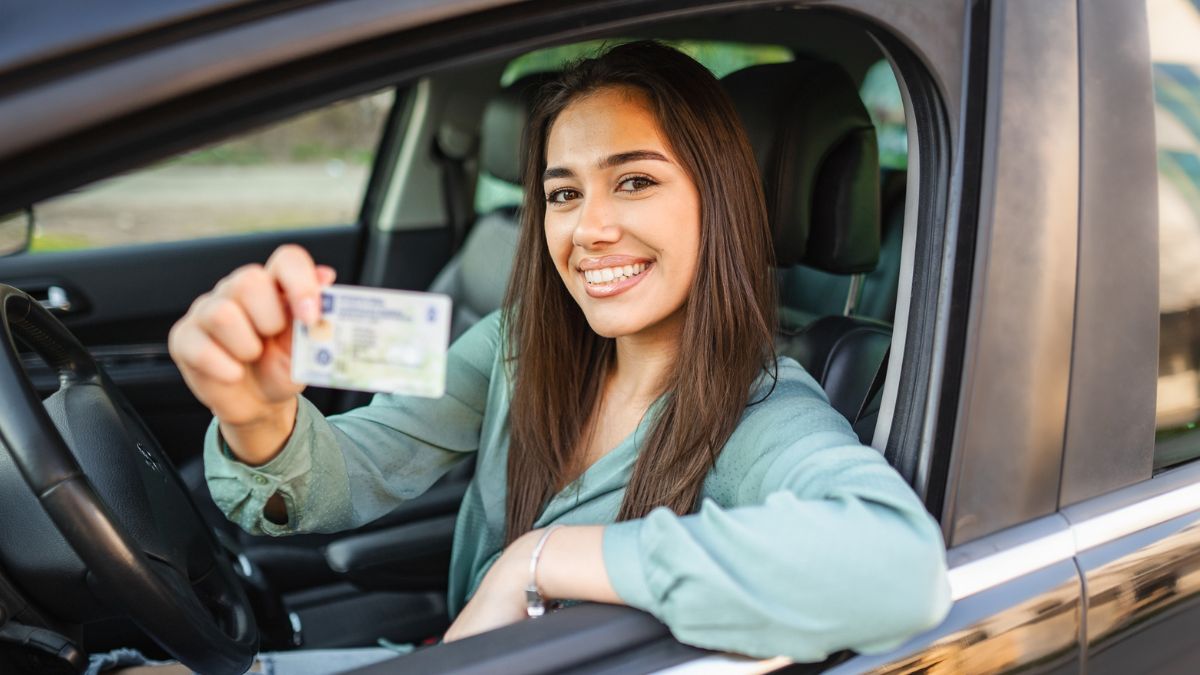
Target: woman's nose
x: 597, y: 224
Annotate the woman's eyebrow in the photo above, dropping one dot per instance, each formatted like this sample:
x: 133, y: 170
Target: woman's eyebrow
x: 557, y: 172
x: 631, y: 156
x: 607, y: 163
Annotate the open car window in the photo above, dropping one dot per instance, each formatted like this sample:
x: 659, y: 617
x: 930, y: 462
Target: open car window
x: 307, y: 171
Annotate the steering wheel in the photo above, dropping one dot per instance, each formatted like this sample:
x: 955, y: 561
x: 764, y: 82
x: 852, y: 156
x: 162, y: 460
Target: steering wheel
x: 117, y: 501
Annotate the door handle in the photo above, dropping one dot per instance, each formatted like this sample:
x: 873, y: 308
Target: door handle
x: 59, y: 296
x: 57, y: 300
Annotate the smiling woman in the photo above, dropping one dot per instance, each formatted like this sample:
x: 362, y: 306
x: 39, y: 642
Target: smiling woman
x: 638, y: 440
x: 626, y: 155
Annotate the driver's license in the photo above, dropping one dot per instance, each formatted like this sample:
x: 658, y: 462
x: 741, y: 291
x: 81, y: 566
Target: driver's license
x: 370, y: 339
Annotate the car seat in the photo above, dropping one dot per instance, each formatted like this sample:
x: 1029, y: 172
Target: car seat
x: 815, y: 146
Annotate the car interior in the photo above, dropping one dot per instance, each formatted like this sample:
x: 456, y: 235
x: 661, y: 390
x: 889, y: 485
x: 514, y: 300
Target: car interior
x: 838, y: 218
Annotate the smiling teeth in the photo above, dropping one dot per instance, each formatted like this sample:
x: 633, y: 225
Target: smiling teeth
x: 610, y: 274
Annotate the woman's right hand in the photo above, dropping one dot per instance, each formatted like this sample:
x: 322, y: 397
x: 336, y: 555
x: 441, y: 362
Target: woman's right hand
x: 234, y: 347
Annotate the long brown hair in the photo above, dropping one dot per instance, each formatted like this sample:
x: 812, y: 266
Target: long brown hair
x: 729, y: 318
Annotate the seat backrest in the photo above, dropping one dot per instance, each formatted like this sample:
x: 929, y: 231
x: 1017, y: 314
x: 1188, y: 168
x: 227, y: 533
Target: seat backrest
x: 815, y: 145
x: 816, y: 150
x: 477, y: 275
x: 807, y: 293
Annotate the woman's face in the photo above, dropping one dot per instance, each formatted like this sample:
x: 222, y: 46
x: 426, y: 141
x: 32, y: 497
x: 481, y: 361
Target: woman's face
x: 622, y: 216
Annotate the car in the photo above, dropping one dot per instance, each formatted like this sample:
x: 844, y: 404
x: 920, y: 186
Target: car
x: 996, y: 283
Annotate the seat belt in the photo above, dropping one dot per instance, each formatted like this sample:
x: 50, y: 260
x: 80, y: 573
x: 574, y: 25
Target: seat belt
x: 876, y: 385
x: 452, y: 149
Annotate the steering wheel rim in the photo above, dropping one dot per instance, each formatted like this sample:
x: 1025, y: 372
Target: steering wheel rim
x: 185, y: 595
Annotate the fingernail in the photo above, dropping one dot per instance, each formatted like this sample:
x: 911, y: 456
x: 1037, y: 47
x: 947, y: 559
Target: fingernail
x: 306, y: 311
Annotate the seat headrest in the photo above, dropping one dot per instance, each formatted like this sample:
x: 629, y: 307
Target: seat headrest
x: 501, y: 148
x: 816, y: 149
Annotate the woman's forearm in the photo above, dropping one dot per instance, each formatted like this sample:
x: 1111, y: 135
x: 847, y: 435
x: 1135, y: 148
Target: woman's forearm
x: 571, y: 566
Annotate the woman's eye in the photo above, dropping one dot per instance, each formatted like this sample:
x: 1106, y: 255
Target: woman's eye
x: 636, y: 183
x: 562, y: 196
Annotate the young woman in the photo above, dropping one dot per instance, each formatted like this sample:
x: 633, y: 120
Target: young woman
x: 627, y: 396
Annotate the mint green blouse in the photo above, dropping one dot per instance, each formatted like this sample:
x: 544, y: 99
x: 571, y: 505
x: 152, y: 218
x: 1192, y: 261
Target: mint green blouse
x: 806, y: 542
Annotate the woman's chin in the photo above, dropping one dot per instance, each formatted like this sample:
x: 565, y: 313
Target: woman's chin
x: 611, y: 324
x: 610, y: 329
x: 619, y: 322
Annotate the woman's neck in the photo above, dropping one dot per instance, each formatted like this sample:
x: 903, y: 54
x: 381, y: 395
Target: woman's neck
x: 643, y: 361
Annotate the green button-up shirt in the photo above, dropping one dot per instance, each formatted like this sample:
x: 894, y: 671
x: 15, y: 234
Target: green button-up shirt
x: 806, y: 542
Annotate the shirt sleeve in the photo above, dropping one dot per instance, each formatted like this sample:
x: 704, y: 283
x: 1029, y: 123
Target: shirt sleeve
x: 819, y: 546
x: 343, y: 471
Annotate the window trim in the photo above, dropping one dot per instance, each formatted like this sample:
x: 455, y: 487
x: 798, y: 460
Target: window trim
x: 1109, y: 441
x: 1008, y: 435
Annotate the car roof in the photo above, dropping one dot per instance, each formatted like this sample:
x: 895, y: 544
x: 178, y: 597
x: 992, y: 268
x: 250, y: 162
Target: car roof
x: 35, y: 31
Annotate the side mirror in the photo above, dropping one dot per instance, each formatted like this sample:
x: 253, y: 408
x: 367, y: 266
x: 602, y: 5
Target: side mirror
x: 16, y: 231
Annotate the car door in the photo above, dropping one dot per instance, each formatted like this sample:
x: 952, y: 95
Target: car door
x: 981, y: 405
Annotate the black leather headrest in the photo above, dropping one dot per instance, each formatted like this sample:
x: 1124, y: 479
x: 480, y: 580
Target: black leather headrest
x: 501, y: 148
x: 816, y: 149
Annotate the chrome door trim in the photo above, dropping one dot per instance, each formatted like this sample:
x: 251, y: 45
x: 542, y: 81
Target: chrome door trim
x: 1103, y: 519
x: 1011, y: 562
x: 1126, y: 520
x: 727, y: 664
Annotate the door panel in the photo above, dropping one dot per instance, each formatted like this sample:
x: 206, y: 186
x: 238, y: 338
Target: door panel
x: 134, y: 293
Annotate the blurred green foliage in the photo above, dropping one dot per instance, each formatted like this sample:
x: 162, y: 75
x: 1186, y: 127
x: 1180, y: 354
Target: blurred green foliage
x: 45, y: 242
x: 881, y: 94
x: 721, y: 58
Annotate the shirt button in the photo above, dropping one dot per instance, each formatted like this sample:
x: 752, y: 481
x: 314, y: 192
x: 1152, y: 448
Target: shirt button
x: 260, y: 480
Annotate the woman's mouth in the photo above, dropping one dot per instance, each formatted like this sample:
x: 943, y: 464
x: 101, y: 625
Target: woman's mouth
x: 605, y: 282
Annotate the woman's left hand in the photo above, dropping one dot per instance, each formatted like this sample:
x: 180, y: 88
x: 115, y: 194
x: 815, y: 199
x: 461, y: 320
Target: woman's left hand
x: 500, y: 598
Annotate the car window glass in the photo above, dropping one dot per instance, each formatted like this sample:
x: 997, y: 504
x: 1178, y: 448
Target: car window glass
x: 307, y: 171
x: 881, y: 94
x: 721, y: 58
x: 1174, y: 25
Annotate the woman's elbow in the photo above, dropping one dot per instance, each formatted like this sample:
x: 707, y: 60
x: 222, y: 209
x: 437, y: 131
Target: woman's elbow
x: 920, y: 599
x: 930, y: 601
